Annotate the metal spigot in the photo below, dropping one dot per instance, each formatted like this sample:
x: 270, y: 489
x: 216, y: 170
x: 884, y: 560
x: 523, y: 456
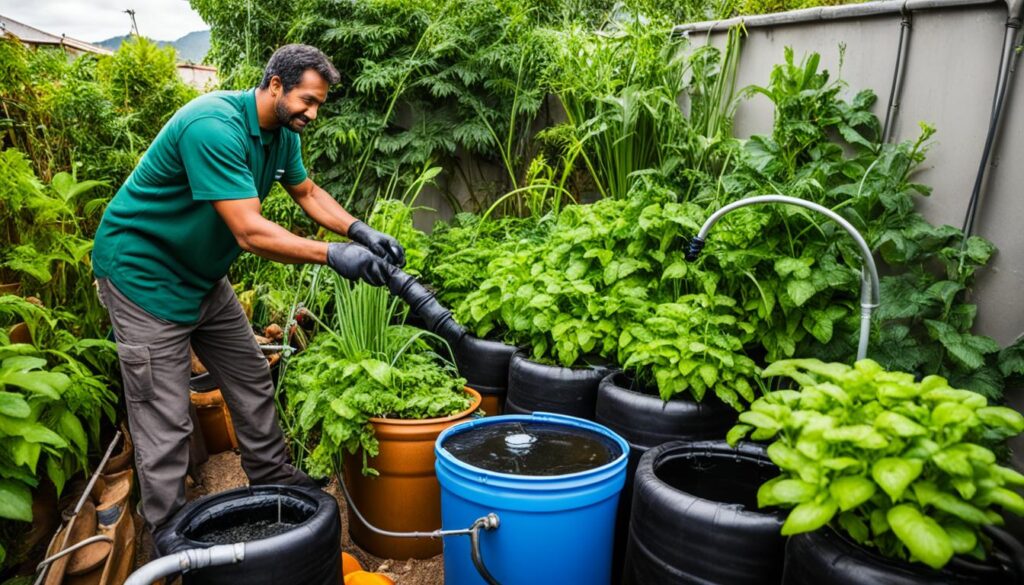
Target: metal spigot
x: 868, y: 274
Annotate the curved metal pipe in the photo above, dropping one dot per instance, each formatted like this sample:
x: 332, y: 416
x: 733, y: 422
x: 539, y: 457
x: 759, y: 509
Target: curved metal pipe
x: 869, y: 285
x: 192, y: 559
x: 488, y: 522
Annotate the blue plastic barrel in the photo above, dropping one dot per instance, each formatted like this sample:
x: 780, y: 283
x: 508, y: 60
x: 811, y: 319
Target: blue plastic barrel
x: 553, y: 528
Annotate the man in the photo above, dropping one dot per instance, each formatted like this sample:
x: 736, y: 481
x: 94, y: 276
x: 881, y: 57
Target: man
x: 163, y: 250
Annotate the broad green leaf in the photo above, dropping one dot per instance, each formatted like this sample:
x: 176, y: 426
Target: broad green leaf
x: 923, y: 537
x: 854, y: 526
x: 851, y: 491
x: 31, y: 431
x: 14, y: 405
x: 48, y: 384
x: 737, y: 433
x: 809, y: 516
x: 15, y: 501
x: 378, y: 370
x: 954, y: 462
x: 1009, y: 500
x: 953, y: 505
x: 785, y: 491
x: 759, y: 419
x: 841, y: 463
x: 861, y: 435
x: 800, y: 291
x: 950, y: 413
x: 1007, y: 475
x: 894, y: 474
x: 71, y: 428
x: 961, y: 536
x: 24, y: 363
x: 1001, y: 417
x: 787, y: 457
x: 898, y: 424
x: 56, y: 473
x: 879, y: 522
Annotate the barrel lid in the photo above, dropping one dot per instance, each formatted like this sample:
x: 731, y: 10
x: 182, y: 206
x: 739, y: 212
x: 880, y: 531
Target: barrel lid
x: 532, y: 447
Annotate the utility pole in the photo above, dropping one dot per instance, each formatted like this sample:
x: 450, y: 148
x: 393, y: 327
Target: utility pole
x: 135, y: 27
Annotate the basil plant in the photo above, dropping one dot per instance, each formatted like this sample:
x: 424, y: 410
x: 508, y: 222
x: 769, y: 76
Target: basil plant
x: 905, y: 467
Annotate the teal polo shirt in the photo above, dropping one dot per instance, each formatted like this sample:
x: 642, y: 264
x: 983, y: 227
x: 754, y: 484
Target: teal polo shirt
x: 161, y: 242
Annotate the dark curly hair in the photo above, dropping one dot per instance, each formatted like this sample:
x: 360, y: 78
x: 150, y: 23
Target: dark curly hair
x: 291, y: 61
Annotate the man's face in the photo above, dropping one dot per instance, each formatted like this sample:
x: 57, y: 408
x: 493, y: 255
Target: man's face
x: 298, y: 106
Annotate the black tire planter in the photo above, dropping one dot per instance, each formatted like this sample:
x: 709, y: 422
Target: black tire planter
x: 644, y: 420
x: 695, y: 517
x: 826, y: 556
x: 306, y: 554
x: 535, y: 387
x: 484, y: 364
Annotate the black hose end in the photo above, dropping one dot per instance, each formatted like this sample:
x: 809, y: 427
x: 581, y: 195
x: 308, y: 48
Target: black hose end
x: 694, y: 249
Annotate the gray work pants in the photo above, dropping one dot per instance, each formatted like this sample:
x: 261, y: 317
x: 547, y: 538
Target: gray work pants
x: 156, y: 366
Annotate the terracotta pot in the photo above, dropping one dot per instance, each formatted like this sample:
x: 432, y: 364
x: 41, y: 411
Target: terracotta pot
x: 406, y: 495
x: 20, y: 334
x: 492, y: 404
x: 214, y: 421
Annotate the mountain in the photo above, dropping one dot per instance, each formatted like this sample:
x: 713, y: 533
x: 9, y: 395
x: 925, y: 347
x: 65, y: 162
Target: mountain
x: 191, y: 47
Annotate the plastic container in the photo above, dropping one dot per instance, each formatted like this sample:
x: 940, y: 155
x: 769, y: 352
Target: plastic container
x: 553, y: 528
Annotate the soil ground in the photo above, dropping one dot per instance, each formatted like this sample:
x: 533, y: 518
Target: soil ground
x: 223, y: 471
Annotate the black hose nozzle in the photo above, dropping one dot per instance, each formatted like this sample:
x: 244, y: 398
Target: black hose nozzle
x: 422, y: 303
x: 694, y: 249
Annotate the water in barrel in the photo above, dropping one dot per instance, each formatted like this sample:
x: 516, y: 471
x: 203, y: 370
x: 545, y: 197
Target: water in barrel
x: 532, y: 448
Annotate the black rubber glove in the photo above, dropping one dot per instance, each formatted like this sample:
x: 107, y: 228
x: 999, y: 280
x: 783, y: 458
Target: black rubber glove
x: 355, y: 262
x: 380, y: 244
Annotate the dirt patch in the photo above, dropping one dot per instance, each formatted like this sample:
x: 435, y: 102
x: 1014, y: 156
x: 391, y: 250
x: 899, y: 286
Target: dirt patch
x: 223, y: 471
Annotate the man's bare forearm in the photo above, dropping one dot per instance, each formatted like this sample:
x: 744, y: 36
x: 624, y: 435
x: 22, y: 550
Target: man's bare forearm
x: 273, y: 242
x: 323, y: 208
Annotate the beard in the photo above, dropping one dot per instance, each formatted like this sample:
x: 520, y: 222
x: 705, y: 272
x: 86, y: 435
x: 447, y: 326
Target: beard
x: 294, y: 122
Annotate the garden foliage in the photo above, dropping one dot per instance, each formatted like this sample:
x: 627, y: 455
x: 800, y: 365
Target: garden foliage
x: 609, y: 278
x: 904, y: 466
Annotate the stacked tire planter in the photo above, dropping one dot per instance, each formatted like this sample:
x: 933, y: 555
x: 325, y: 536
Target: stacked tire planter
x: 644, y: 420
x: 535, y: 387
x: 827, y: 556
x: 695, y: 517
x: 484, y: 364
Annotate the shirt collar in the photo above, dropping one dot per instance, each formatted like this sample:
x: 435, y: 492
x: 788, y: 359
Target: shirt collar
x: 266, y: 137
x: 251, y: 118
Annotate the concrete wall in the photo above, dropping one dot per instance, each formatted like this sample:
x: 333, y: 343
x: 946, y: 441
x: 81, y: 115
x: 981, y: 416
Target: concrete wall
x: 951, y: 69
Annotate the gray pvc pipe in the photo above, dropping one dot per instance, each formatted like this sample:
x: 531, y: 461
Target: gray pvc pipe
x: 896, y: 91
x: 188, y: 560
x: 869, y: 285
x: 827, y: 13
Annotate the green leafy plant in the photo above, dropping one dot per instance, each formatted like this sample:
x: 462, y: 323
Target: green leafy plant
x: 46, y: 246
x: 902, y: 466
x: 361, y: 365
x: 54, y: 395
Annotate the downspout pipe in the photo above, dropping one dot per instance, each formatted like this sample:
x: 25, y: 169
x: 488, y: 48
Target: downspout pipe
x: 1007, y: 66
x: 899, y: 71
x: 869, y: 286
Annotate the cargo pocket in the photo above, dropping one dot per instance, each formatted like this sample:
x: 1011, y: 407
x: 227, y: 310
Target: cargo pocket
x: 137, y: 372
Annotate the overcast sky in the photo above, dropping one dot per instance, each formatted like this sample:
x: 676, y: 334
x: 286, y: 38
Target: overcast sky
x: 96, y: 20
